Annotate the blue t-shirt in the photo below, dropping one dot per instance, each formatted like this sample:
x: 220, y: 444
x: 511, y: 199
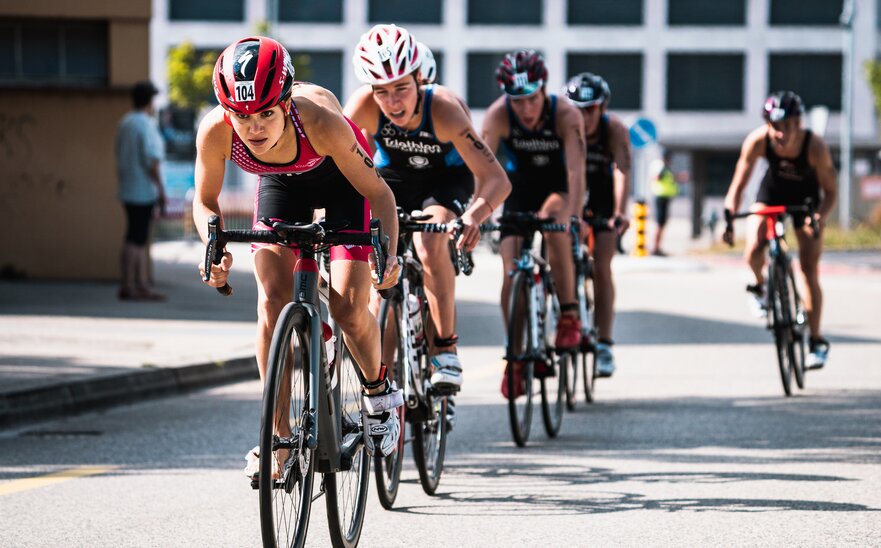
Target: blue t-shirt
x: 138, y: 146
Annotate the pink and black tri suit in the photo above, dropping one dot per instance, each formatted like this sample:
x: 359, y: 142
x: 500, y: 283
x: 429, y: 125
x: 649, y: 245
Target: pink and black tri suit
x: 291, y: 192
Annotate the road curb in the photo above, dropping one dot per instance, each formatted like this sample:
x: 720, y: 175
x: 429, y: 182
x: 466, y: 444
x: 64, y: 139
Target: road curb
x: 60, y: 399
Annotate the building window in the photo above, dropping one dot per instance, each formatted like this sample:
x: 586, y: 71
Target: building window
x: 504, y: 12
x: 604, y: 12
x: 199, y: 10
x: 705, y: 82
x: 310, y: 11
x: 701, y: 12
x: 482, y: 86
x: 404, y: 12
x: 816, y: 78
x: 622, y: 71
x: 805, y: 12
x: 55, y: 53
x: 323, y: 68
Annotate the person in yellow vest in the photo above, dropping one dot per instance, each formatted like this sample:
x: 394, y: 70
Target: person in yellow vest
x: 664, y: 188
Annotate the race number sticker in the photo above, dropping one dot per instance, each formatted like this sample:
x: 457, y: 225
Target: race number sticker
x: 521, y: 80
x: 245, y: 91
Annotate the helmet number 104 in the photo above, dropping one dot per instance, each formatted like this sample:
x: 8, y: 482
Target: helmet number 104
x: 244, y: 91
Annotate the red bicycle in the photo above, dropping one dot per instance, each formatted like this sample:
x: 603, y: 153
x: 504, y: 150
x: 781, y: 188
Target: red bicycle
x: 786, y: 315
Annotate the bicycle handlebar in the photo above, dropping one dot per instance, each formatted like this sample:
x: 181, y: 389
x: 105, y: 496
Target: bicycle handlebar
x: 775, y: 211
x: 408, y: 224
x: 309, y: 235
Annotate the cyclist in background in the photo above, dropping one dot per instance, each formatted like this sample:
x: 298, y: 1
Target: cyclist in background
x: 427, y: 150
x: 799, y: 168
x: 307, y: 155
x: 608, y: 187
x: 543, y: 139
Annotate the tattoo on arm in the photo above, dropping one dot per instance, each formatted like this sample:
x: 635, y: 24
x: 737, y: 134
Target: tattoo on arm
x: 356, y: 148
x: 479, y: 145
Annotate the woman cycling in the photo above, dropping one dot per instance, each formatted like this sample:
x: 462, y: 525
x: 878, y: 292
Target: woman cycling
x: 543, y: 139
x: 307, y: 155
x: 427, y: 150
x: 608, y: 186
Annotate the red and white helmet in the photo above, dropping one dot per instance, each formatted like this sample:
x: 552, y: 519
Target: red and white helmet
x: 429, y: 65
x: 385, y: 54
x: 252, y: 75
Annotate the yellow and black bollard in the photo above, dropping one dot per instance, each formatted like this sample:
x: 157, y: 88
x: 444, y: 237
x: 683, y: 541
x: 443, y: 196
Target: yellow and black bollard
x: 640, y: 215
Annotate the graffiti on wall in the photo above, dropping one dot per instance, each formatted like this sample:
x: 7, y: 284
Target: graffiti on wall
x: 22, y: 179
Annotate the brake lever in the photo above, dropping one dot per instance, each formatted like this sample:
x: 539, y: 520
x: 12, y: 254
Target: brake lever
x: 214, y: 253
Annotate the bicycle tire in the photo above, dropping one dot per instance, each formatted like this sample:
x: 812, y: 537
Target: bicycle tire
x: 781, y: 323
x: 286, y: 503
x: 519, y: 345
x: 571, y: 383
x: 553, y: 385
x: 387, y: 470
x: 588, y: 349
x: 347, y: 489
x: 798, y: 328
x: 430, y: 445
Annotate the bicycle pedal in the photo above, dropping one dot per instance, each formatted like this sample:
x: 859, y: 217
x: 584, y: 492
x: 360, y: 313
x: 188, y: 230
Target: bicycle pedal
x: 255, y: 483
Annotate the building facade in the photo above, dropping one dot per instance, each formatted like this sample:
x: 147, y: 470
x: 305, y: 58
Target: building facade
x: 699, y: 70
x: 66, y: 71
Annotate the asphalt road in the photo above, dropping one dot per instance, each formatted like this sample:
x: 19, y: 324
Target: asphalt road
x: 690, y: 443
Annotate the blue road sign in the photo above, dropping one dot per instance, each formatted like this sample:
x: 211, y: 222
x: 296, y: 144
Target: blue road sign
x: 642, y: 133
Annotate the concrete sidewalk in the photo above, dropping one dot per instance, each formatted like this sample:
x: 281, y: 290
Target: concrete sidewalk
x: 68, y: 347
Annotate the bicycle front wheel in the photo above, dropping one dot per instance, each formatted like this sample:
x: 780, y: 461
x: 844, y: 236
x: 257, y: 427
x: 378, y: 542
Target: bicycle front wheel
x: 799, y: 319
x: 520, y: 370
x: 781, y: 323
x: 387, y: 470
x: 287, y: 465
x: 347, y: 489
x: 553, y: 377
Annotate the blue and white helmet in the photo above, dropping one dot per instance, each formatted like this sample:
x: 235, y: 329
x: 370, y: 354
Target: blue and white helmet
x: 587, y: 89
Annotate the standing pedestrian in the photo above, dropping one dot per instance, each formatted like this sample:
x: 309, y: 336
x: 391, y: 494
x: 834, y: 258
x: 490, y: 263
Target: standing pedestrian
x: 664, y: 189
x: 139, y: 154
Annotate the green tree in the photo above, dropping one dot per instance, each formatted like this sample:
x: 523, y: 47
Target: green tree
x: 872, y: 68
x: 190, y: 76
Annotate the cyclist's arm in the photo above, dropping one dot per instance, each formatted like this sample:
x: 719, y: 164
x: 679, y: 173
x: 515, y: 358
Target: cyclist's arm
x: 213, y: 142
x: 491, y: 183
x: 363, y: 110
x: 826, y: 176
x: 750, y: 152
x: 620, y: 144
x: 331, y: 135
x: 571, y: 125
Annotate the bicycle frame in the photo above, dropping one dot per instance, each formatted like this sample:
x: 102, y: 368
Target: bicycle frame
x: 324, y: 426
x: 527, y: 263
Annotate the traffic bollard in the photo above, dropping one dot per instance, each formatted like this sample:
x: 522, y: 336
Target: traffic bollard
x: 640, y: 215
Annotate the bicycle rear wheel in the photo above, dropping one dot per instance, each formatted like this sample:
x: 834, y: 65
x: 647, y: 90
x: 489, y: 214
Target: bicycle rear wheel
x: 519, y: 353
x: 347, y: 489
x: 553, y: 382
x: 571, y: 366
x: 781, y: 323
x: 387, y: 470
x: 430, y: 444
x: 287, y: 465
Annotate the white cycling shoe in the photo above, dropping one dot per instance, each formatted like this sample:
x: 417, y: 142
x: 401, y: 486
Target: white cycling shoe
x: 605, y: 360
x: 448, y: 371
x: 382, y: 428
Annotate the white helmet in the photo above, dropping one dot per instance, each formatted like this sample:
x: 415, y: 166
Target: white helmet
x: 385, y: 54
x: 429, y: 65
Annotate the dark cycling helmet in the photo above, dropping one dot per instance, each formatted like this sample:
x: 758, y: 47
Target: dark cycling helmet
x: 587, y: 89
x: 782, y: 105
x: 252, y: 75
x: 522, y: 73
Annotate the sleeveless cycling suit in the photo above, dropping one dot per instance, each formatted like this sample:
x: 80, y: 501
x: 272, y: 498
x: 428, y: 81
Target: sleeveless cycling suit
x: 600, y: 182
x: 420, y: 169
x: 290, y: 192
x: 536, y: 163
x: 789, y: 181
